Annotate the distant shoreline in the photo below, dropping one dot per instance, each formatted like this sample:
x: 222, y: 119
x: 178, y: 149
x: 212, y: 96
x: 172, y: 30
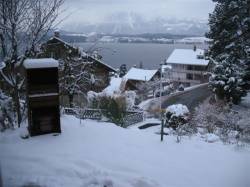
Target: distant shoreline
x: 150, y: 54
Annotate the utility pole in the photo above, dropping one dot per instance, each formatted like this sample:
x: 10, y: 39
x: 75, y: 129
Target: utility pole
x: 161, y: 115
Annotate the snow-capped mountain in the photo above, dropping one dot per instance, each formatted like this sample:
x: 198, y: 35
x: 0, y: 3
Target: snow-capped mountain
x: 131, y: 23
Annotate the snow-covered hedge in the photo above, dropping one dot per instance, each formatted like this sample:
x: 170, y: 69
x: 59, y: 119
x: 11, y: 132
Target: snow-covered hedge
x: 114, y: 106
x: 176, y: 115
x: 129, y: 97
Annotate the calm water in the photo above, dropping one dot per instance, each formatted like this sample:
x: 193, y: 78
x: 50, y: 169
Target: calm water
x: 131, y: 54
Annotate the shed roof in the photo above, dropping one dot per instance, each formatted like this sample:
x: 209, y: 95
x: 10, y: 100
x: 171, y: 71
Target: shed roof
x: 187, y: 56
x: 40, y: 63
x: 140, y: 74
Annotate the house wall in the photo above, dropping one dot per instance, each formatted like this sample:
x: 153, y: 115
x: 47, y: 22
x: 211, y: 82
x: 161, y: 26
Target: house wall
x: 57, y: 49
x: 188, y: 75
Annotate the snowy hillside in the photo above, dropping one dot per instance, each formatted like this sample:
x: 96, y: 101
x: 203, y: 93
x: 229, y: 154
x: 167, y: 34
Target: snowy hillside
x: 102, y: 154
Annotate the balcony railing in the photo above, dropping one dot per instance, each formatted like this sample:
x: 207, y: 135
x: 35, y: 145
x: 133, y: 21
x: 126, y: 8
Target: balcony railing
x: 188, y: 71
x: 186, y: 80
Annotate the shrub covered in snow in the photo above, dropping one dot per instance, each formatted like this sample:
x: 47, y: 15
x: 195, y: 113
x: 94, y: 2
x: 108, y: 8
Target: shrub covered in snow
x: 176, y: 115
x: 95, y: 98
x: 130, y: 99
x: 6, y: 112
x: 220, y: 119
x: 114, y: 106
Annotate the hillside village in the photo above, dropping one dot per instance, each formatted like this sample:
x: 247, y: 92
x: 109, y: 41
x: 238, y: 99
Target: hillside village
x: 68, y: 118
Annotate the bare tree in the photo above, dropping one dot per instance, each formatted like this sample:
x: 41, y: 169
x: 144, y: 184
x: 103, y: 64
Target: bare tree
x: 23, y: 24
x: 75, y: 77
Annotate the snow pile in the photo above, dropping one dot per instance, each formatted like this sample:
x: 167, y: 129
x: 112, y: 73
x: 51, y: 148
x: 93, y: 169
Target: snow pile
x: 96, y: 154
x: 211, y: 138
x: 178, y: 110
x: 40, y: 63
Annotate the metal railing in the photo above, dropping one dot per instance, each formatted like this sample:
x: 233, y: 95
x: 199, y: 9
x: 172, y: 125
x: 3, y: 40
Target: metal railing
x: 130, y: 117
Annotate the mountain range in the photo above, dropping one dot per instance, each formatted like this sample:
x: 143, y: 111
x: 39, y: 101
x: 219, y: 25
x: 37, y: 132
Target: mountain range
x: 132, y: 23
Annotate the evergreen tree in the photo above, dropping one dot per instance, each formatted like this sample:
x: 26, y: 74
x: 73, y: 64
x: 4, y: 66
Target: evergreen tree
x: 123, y: 70
x: 230, y: 34
x: 246, y: 74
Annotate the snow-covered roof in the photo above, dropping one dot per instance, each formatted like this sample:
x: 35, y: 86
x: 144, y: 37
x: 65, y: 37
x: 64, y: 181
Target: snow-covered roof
x: 82, y: 52
x: 140, y: 74
x: 40, y: 63
x: 101, y: 62
x: 187, y: 56
x: 66, y: 43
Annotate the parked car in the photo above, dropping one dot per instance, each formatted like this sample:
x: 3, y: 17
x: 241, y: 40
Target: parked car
x: 163, y: 93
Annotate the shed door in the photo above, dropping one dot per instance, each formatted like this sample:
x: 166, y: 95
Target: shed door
x: 45, y: 119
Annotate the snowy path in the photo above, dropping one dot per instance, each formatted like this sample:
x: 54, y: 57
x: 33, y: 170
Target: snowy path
x: 97, y: 154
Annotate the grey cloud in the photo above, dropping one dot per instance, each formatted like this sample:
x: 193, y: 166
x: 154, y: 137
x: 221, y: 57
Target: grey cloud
x: 98, y: 11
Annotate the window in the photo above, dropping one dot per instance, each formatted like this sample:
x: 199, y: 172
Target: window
x: 190, y: 76
x: 189, y: 67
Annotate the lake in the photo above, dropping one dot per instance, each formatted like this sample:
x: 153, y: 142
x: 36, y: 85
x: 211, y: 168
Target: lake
x: 116, y: 54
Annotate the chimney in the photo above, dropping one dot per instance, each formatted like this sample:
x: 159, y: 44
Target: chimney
x: 57, y: 33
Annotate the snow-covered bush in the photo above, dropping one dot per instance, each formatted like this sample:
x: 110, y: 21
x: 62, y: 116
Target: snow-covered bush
x: 6, y: 112
x: 176, y: 115
x: 94, y: 98
x: 206, y: 116
x: 113, y: 108
x: 130, y: 99
x: 221, y: 120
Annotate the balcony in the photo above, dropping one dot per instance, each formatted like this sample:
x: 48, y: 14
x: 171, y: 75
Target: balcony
x: 186, y: 80
x: 188, y: 71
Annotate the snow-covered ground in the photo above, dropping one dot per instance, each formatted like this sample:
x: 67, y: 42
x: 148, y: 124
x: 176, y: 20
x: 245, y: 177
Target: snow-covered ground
x: 98, y: 154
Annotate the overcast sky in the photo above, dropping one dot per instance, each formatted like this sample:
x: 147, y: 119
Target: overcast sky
x: 96, y: 11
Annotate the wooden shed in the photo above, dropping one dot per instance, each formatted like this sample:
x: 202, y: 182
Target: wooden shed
x: 42, y: 92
